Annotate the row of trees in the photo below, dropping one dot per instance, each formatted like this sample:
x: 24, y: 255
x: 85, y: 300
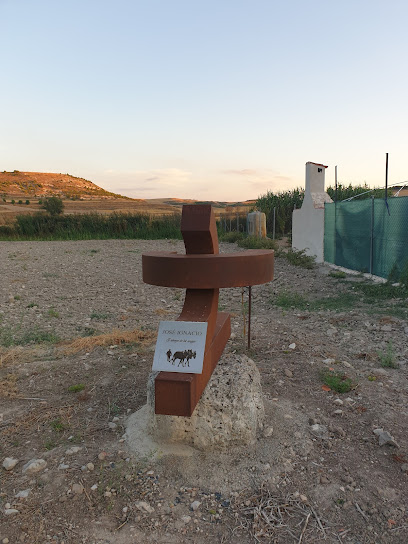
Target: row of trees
x: 53, y: 205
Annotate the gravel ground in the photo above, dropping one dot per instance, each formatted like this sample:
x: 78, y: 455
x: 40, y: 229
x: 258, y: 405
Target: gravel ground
x: 319, y: 474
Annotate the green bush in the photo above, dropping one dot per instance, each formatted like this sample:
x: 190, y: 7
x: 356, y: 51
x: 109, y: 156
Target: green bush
x: 42, y: 226
x: 403, y: 278
x: 374, y: 292
x: 53, y: 205
x: 76, y: 388
x: 338, y: 274
x: 252, y: 242
x: 337, y: 381
x: 387, y: 359
x: 298, y: 258
x: 231, y: 237
x: 15, y: 337
x: 288, y: 300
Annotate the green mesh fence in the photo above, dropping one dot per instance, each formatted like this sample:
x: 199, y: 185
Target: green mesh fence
x: 368, y: 235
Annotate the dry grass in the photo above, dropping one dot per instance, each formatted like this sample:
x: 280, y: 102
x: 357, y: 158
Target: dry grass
x: 272, y: 518
x: 37, y: 417
x: 162, y: 311
x: 109, y: 206
x: 19, y: 355
x: 8, y: 387
x: 116, y: 337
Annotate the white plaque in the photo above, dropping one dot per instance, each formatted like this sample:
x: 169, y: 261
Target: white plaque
x: 180, y: 347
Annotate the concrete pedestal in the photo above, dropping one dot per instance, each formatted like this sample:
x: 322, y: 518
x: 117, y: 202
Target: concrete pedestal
x: 228, y: 414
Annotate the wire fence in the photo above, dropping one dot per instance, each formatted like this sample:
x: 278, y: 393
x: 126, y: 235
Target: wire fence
x: 368, y: 235
x: 232, y: 222
x: 238, y: 222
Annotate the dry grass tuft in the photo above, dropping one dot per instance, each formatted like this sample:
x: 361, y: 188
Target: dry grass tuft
x: 35, y: 418
x: 116, y: 337
x: 162, y: 311
x: 8, y: 387
x: 19, y: 355
x: 281, y: 519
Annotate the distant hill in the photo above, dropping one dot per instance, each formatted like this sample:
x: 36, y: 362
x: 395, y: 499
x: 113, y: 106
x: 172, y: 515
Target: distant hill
x: 38, y: 184
x: 31, y: 185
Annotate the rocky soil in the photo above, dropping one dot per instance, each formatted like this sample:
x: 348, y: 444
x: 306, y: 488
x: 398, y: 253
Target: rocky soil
x: 327, y: 467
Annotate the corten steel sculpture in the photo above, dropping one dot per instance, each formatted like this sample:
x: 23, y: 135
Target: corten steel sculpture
x: 202, y: 272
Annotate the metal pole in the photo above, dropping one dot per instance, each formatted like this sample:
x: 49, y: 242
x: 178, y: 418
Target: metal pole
x: 335, y: 184
x: 274, y: 222
x: 249, y: 316
x: 335, y: 214
x: 386, y: 177
x: 372, y: 236
x: 243, y: 312
x: 237, y: 222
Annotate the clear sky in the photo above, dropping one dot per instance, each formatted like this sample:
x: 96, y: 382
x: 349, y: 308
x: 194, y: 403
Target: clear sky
x: 204, y: 99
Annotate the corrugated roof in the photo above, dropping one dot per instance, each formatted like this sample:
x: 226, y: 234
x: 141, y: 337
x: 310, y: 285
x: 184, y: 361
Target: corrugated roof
x: 317, y: 164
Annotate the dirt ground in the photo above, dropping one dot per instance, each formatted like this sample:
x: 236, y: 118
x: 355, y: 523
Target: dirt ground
x: 77, y: 330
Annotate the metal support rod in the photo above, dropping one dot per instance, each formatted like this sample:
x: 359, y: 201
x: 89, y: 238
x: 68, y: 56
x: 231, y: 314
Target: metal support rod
x: 372, y: 236
x: 386, y: 177
x: 249, y: 316
x: 243, y: 312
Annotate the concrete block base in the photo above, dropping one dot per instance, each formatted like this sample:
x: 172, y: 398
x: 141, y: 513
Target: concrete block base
x: 229, y: 413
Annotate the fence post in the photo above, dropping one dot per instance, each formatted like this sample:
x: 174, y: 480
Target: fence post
x: 274, y: 221
x: 335, y: 215
x: 372, y: 236
x: 335, y: 232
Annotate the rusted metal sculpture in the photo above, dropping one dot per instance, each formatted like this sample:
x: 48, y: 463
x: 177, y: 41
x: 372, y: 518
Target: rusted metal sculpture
x: 202, y: 272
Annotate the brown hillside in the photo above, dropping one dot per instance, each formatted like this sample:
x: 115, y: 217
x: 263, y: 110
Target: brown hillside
x: 37, y: 184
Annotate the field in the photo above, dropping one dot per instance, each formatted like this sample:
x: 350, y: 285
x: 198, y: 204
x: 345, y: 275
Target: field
x: 154, y: 207
x: 104, y: 206
x: 77, y: 336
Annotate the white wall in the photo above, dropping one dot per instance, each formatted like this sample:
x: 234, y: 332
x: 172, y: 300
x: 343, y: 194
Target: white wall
x: 308, y: 222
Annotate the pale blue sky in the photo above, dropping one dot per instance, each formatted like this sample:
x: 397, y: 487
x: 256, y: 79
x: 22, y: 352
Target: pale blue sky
x: 204, y: 99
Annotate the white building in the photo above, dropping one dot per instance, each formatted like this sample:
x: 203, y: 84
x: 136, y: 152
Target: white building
x: 308, y: 222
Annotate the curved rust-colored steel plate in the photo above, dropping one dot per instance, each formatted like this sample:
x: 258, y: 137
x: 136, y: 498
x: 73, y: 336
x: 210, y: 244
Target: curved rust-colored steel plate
x: 251, y: 267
